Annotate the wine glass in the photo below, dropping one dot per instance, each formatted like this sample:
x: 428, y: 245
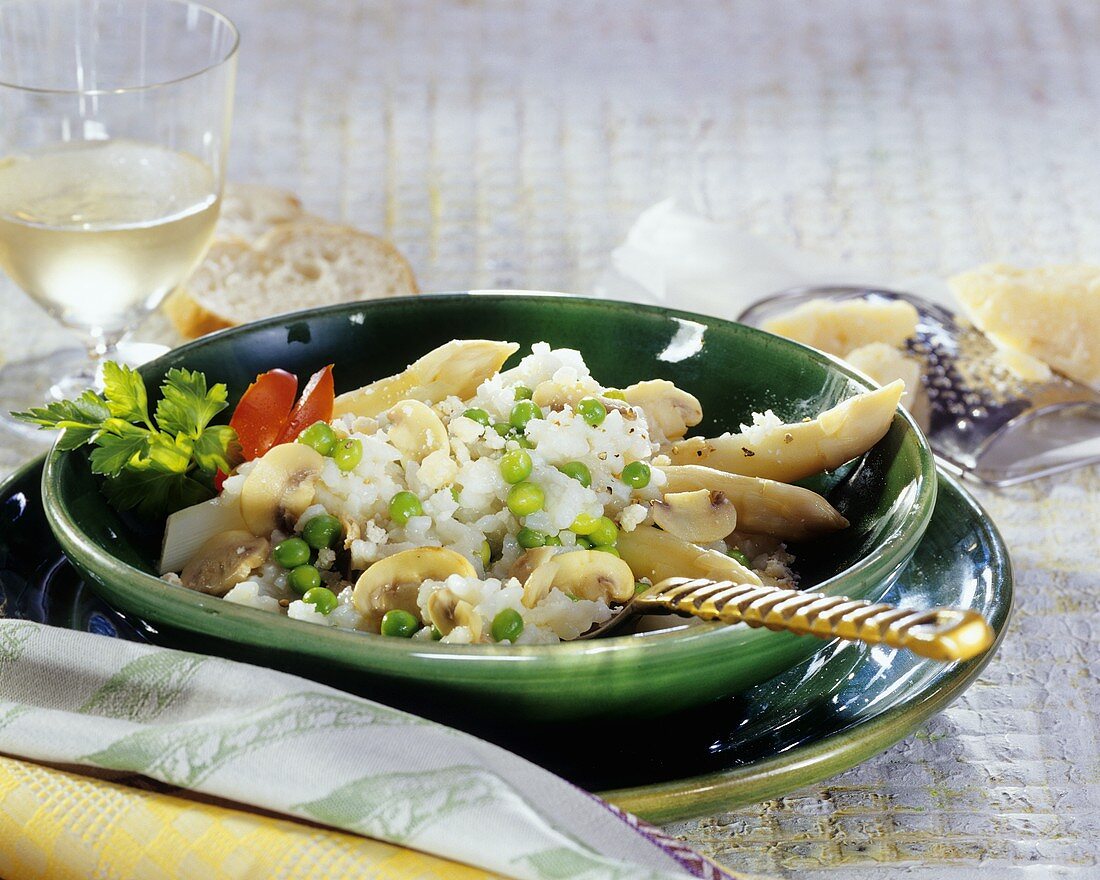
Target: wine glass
x: 114, y: 126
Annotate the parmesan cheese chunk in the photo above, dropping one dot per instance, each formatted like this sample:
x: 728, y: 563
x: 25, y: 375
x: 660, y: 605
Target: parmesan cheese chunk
x: 1051, y: 313
x: 837, y: 327
x: 885, y: 364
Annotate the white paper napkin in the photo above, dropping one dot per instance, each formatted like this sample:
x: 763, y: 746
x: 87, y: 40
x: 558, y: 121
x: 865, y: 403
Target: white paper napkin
x: 675, y: 257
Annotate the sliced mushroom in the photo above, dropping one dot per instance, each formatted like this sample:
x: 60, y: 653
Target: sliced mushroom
x: 671, y: 409
x: 528, y: 561
x: 280, y: 486
x: 188, y: 529
x: 393, y: 582
x: 446, y: 611
x: 352, y: 531
x: 700, y: 516
x: 416, y: 430
x: 457, y: 368
x: 586, y: 574
x: 224, y: 561
x: 556, y: 395
x: 791, y: 452
x: 764, y: 507
x: 656, y: 555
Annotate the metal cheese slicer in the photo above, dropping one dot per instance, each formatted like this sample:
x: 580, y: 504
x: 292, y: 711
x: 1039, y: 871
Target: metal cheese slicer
x: 984, y: 423
x: 945, y: 634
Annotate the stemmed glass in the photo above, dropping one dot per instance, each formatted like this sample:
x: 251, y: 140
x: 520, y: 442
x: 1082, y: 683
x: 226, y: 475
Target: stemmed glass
x: 114, y: 126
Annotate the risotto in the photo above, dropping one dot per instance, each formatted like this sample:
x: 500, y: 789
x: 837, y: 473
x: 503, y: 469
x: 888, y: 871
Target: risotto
x: 462, y: 503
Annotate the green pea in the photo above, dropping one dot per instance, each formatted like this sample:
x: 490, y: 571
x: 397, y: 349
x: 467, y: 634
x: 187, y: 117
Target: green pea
x: 522, y: 413
x: 584, y: 524
x: 320, y: 436
x: 740, y: 556
x: 303, y: 578
x: 478, y: 415
x: 606, y: 548
x: 348, y: 454
x: 523, y: 392
x: 507, y: 625
x: 579, y: 471
x: 485, y: 553
x: 605, y: 534
x: 503, y: 428
x: 524, y: 443
x: 636, y: 475
x: 553, y: 541
x: 614, y: 394
x: 404, y: 506
x: 321, y: 598
x: 592, y: 411
x: 399, y: 623
x: 436, y: 634
x: 573, y: 598
x: 322, y: 531
x: 515, y: 466
x: 529, y: 538
x: 291, y: 553
x: 584, y: 543
x: 640, y: 587
x: 525, y: 499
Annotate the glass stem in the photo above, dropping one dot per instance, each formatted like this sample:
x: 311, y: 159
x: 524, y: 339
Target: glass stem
x: 102, y: 347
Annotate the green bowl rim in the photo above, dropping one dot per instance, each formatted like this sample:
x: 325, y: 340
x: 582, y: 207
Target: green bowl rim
x: 806, y: 764
x: 206, y: 617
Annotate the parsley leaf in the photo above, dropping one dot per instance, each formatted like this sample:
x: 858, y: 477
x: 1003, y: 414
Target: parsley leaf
x: 215, y: 449
x: 114, y: 451
x: 151, y: 491
x: 153, y: 468
x: 186, y: 407
x: 81, y: 418
x: 125, y: 392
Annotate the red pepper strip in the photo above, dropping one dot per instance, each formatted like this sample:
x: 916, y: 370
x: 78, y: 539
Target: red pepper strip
x: 315, y: 405
x: 220, y: 477
x: 262, y: 414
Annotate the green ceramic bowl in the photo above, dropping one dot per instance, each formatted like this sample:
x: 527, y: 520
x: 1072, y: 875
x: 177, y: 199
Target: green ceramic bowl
x: 888, y: 496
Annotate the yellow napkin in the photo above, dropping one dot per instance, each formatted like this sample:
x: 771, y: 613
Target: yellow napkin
x: 60, y: 825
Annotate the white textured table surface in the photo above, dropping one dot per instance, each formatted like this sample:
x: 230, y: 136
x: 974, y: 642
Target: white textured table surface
x: 507, y: 144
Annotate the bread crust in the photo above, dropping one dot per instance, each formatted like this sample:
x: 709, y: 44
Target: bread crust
x: 196, y: 311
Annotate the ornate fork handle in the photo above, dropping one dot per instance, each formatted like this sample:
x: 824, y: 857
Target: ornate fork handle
x: 937, y: 633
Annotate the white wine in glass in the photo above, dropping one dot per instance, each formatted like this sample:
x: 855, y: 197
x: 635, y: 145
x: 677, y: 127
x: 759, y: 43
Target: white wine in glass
x: 114, y: 118
x: 99, y: 232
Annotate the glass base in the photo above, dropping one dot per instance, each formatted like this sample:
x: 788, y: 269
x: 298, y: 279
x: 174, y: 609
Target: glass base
x: 33, y: 382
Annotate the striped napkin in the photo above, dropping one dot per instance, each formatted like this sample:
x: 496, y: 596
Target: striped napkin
x: 221, y: 731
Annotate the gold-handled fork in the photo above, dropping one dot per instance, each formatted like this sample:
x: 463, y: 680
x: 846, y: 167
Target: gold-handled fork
x: 945, y: 634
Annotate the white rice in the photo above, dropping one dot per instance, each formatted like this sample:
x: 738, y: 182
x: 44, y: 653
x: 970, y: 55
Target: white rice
x: 463, y: 496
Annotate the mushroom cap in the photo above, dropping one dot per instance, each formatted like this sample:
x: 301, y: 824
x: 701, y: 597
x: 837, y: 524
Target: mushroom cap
x: 587, y: 574
x: 224, y: 561
x: 529, y: 560
x: 671, y: 408
x: 394, y: 582
x: 280, y: 486
x: 446, y: 611
x: 700, y: 516
x: 416, y: 430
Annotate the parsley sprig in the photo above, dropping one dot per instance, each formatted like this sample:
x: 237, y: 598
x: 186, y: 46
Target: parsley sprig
x: 155, y: 467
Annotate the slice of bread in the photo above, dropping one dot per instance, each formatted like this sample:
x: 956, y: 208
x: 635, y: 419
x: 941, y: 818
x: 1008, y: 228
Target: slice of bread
x: 248, y: 210
x: 295, y: 265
